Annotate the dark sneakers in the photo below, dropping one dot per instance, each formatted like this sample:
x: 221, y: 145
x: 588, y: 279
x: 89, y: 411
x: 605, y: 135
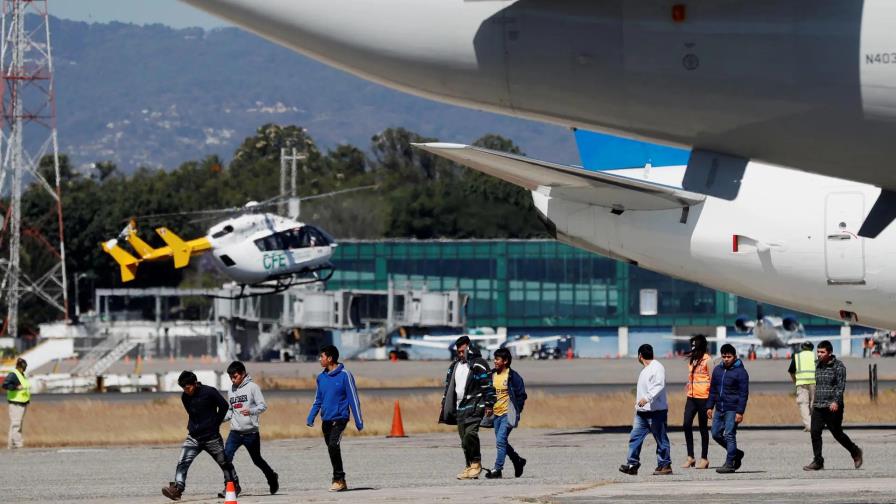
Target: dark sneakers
x: 274, y: 483
x: 814, y: 466
x: 172, y: 491
x: 663, y: 470
x: 857, y: 458
x: 629, y: 469
x: 518, y: 467
x: 738, y: 459
x: 726, y: 469
x: 493, y: 474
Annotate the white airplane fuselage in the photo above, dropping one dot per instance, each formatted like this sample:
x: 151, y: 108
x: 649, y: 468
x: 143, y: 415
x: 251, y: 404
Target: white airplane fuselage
x: 795, y: 232
x: 811, y: 85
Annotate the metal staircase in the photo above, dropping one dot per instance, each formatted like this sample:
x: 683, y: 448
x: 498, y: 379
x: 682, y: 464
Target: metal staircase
x: 102, y: 356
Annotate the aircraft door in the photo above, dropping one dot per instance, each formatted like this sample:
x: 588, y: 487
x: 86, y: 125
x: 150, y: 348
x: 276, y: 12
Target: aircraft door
x: 844, y: 250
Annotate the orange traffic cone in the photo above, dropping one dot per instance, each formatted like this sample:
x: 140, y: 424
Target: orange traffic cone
x: 230, y: 494
x: 397, y: 427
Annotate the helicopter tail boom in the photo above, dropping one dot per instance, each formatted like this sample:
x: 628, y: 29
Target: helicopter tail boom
x: 126, y: 261
x: 182, y: 250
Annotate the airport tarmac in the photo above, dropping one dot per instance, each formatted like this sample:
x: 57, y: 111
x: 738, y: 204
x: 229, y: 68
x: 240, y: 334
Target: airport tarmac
x: 537, y: 372
x: 564, y: 466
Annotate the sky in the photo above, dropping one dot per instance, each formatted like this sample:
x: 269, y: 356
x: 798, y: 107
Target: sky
x: 170, y: 12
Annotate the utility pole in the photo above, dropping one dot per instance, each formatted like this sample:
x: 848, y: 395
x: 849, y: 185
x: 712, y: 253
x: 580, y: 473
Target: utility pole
x: 289, y: 159
x: 27, y: 137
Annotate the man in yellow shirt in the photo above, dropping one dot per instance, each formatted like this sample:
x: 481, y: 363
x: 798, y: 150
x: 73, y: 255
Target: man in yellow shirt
x: 510, y: 397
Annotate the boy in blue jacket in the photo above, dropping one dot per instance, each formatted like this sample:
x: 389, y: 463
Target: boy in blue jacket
x: 336, y: 394
x: 729, y: 390
x: 510, y: 397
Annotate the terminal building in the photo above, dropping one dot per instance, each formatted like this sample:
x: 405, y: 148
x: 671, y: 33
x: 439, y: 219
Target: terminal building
x: 544, y: 287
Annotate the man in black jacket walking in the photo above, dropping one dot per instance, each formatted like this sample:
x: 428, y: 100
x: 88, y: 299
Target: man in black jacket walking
x: 206, y: 408
x: 827, y: 408
x: 469, y: 396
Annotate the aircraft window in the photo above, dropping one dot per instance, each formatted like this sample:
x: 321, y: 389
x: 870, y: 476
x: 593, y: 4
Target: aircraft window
x: 303, y: 237
x: 225, y: 231
x: 316, y: 237
x: 270, y: 242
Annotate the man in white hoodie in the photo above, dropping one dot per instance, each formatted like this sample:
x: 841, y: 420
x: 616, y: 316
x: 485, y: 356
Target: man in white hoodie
x: 246, y: 403
x: 651, y: 413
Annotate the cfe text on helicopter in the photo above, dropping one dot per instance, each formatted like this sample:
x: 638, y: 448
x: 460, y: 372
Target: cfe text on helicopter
x: 262, y: 250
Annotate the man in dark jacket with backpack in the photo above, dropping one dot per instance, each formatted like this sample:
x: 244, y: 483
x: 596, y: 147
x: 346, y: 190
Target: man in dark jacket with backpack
x: 468, y: 398
x: 729, y: 390
x: 510, y: 398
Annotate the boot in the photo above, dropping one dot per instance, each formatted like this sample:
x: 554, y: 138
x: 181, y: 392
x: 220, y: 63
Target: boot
x: 474, y: 470
x: 814, y: 466
x: 703, y: 464
x: 463, y: 473
x: 857, y: 458
x: 338, y: 486
x: 726, y: 469
x: 493, y: 474
x: 738, y: 459
x: 172, y: 491
x: 663, y: 470
x: 688, y: 463
x: 274, y: 483
x: 518, y: 466
x: 629, y: 469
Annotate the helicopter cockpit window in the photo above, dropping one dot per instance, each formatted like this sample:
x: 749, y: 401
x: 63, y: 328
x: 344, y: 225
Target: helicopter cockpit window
x: 270, y: 242
x: 225, y: 231
x: 316, y: 237
x: 306, y: 236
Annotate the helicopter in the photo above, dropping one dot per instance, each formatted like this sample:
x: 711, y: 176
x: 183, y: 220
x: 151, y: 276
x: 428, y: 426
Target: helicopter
x: 262, y: 250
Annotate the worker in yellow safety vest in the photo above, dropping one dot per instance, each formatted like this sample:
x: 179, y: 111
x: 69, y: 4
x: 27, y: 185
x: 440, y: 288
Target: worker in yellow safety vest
x: 802, y: 372
x: 18, y: 395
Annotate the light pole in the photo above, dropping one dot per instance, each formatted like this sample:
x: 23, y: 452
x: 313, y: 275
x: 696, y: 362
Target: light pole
x: 78, y: 276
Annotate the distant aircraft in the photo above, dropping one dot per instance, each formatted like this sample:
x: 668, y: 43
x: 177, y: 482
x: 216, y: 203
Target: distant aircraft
x: 789, y: 114
x: 522, y: 347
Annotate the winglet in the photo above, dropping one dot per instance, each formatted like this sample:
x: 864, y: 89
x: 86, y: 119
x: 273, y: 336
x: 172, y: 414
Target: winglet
x: 127, y: 262
x: 180, y: 250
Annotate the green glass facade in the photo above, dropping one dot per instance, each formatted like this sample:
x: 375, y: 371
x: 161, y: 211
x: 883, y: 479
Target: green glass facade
x: 536, y: 283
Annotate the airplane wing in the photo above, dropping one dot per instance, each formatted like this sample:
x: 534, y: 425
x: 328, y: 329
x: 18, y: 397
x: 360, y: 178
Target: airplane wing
x: 567, y: 182
x: 421, y: 343
x: 525, y: 342
x: 739, y: 340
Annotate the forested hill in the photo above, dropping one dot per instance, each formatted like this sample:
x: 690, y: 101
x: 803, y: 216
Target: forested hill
x: 156, y: 96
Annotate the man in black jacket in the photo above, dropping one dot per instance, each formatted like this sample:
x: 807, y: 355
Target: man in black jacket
x: 469, y: 396
x: 206, y: 408
x: 827, y: 408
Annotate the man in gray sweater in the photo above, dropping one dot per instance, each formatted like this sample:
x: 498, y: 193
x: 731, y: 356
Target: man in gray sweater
x: 246, y: 403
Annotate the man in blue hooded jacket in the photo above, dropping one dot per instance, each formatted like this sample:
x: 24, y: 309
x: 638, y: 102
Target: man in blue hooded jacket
x: 729, y: 390
x: 336, y: 395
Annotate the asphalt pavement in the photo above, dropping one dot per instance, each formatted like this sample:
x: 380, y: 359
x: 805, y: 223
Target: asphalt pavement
x: 563, y: 466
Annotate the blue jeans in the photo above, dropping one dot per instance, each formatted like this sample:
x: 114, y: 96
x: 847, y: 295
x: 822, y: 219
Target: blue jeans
x: 652, y: 422
x: 724, y: 431
x: 502, y: 432
x: 214, y: 446
x: 252, y: 442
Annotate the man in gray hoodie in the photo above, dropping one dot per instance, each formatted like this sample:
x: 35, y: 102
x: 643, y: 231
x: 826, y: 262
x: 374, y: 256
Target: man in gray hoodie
x: 246, y: 403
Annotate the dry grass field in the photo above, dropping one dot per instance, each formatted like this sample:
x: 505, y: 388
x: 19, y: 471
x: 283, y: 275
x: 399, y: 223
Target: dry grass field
x: 99, y: 423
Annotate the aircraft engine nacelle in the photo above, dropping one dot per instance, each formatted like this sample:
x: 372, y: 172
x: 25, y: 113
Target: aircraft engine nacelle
x: 744, y: 324
x: 790, y: 324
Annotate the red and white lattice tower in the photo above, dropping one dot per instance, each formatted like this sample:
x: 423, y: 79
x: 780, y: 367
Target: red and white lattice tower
x: 27, y: 136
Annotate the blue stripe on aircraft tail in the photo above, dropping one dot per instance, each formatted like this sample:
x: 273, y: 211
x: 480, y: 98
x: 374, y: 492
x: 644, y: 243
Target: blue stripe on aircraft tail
x: 600, y: 152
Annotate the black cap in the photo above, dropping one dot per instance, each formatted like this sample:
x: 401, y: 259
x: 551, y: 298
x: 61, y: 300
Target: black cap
x: 463, y: 340
x: 807, y: 345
